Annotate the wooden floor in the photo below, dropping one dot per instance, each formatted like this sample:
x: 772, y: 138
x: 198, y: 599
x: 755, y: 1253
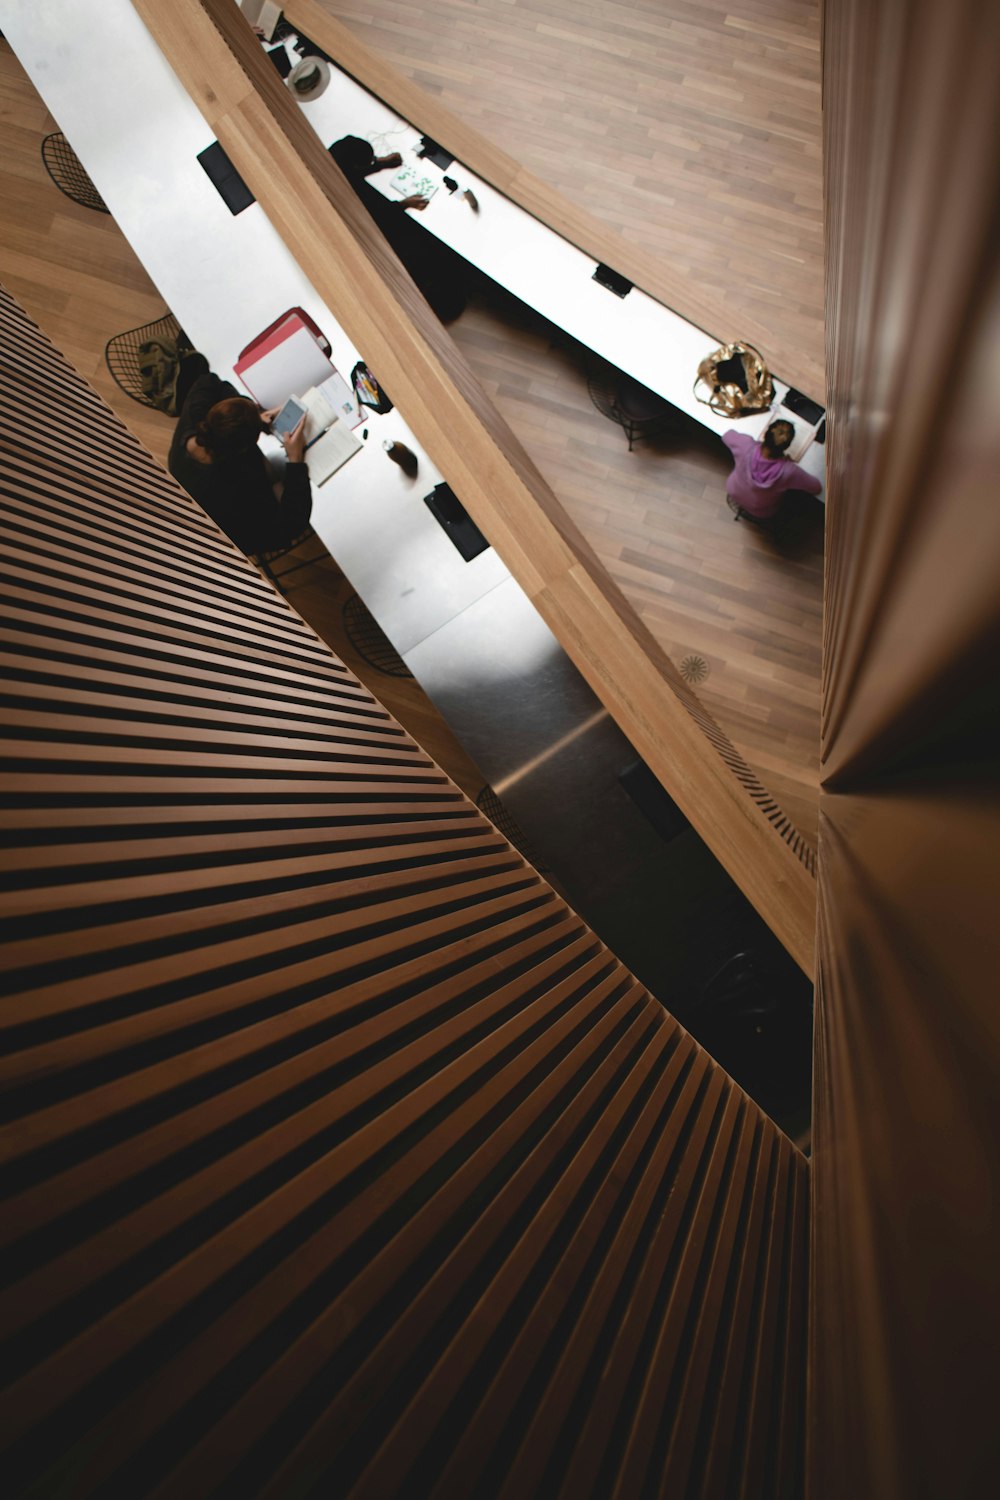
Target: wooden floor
x: 693, y: 127
x: 724, y: 599
x: 746, y: 608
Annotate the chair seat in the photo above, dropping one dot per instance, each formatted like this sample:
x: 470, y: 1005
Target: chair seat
x: 68, y: 173
x: 121, y: 354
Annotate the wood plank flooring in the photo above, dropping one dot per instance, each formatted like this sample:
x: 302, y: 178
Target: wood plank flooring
x: 747, y: 604
x: 693, y: 127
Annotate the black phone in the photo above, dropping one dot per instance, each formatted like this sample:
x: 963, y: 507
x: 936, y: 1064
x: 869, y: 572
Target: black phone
x: 225, y: 179
x: 620, y: 285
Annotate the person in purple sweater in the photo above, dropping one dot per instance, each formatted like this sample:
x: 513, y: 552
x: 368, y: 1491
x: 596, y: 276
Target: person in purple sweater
x: 761, y: 474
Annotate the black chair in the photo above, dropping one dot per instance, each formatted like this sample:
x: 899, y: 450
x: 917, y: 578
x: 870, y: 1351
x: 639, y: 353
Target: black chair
x: 370, y: 640
x: 639, y: 412
x: 765, y: 523
x: 121, y: 354
x: 66, y: 170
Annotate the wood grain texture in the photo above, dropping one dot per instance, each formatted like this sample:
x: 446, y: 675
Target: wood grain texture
x: 679, y: 143
x: 357, y: 275
x: 748, y: 603
x: 906, y: 1327
x: 337, y: 1155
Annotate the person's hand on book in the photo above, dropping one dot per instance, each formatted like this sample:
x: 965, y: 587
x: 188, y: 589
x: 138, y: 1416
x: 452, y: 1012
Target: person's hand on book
x: 417, y: 200
x: 295, y: 441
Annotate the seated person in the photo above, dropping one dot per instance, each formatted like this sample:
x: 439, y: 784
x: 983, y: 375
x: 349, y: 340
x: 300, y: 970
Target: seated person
x: 761, y: 474
x: 437, y: 270
x: 214, y: 455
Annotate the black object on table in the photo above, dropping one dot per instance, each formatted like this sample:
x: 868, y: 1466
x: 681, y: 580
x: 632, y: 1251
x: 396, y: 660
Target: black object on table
x: 281, y: 60
x: 620, y: 285
x: 809, y: 411
x: 455, y: 521
x: 435, y: 153
x: 225, y: 179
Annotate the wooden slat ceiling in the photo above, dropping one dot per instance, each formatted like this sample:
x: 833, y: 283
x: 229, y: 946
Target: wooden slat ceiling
x: 337, y: 1155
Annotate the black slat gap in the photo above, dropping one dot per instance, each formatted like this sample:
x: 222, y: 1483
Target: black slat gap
x: 25, y: 1459
x: 44, y: 1336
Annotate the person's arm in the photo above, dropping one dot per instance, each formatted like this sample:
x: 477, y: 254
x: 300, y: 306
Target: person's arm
x: 798, y: 478
x: 296, y: 498
x: 382, y: 163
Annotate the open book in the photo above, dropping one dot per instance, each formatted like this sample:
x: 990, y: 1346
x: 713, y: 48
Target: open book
x: 330, y: 409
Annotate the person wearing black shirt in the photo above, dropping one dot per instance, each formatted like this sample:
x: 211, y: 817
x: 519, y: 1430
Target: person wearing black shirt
x: 214, y: 455
x: 437, y: 270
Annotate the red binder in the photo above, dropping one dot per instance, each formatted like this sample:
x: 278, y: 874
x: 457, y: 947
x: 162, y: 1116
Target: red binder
x: 290, y: 355
x: 303, y: 317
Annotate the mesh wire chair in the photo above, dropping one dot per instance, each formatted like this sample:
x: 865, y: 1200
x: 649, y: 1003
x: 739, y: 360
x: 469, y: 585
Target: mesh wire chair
x: 504, y: 821
x: 66, y: 170
x: 370, y: 641
x: 639, y: 412
x: 265, y: 560
x: 121, y: 354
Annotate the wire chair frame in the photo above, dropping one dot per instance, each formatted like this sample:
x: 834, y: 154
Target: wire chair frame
x: 640, y: 413
x: 266, y: 557
x: 121, y: 354
x: 370, y: 641
x: 68, y: 173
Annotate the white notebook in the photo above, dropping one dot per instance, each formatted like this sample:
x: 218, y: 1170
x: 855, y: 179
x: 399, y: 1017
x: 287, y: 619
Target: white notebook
x: 333, y: 448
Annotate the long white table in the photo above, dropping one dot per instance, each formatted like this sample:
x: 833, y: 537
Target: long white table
x: 138, y: 134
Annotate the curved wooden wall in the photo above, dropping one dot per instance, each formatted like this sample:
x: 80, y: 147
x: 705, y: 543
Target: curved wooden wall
x: 337, y: 1155
x: 906, y: 1325
x: 216, y: 56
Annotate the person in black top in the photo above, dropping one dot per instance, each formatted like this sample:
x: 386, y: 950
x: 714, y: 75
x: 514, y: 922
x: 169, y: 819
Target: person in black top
x: 437, y: 270
x: 214, y: 455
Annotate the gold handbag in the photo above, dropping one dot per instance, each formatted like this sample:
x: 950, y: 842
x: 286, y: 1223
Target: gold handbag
x: 737, y: 381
